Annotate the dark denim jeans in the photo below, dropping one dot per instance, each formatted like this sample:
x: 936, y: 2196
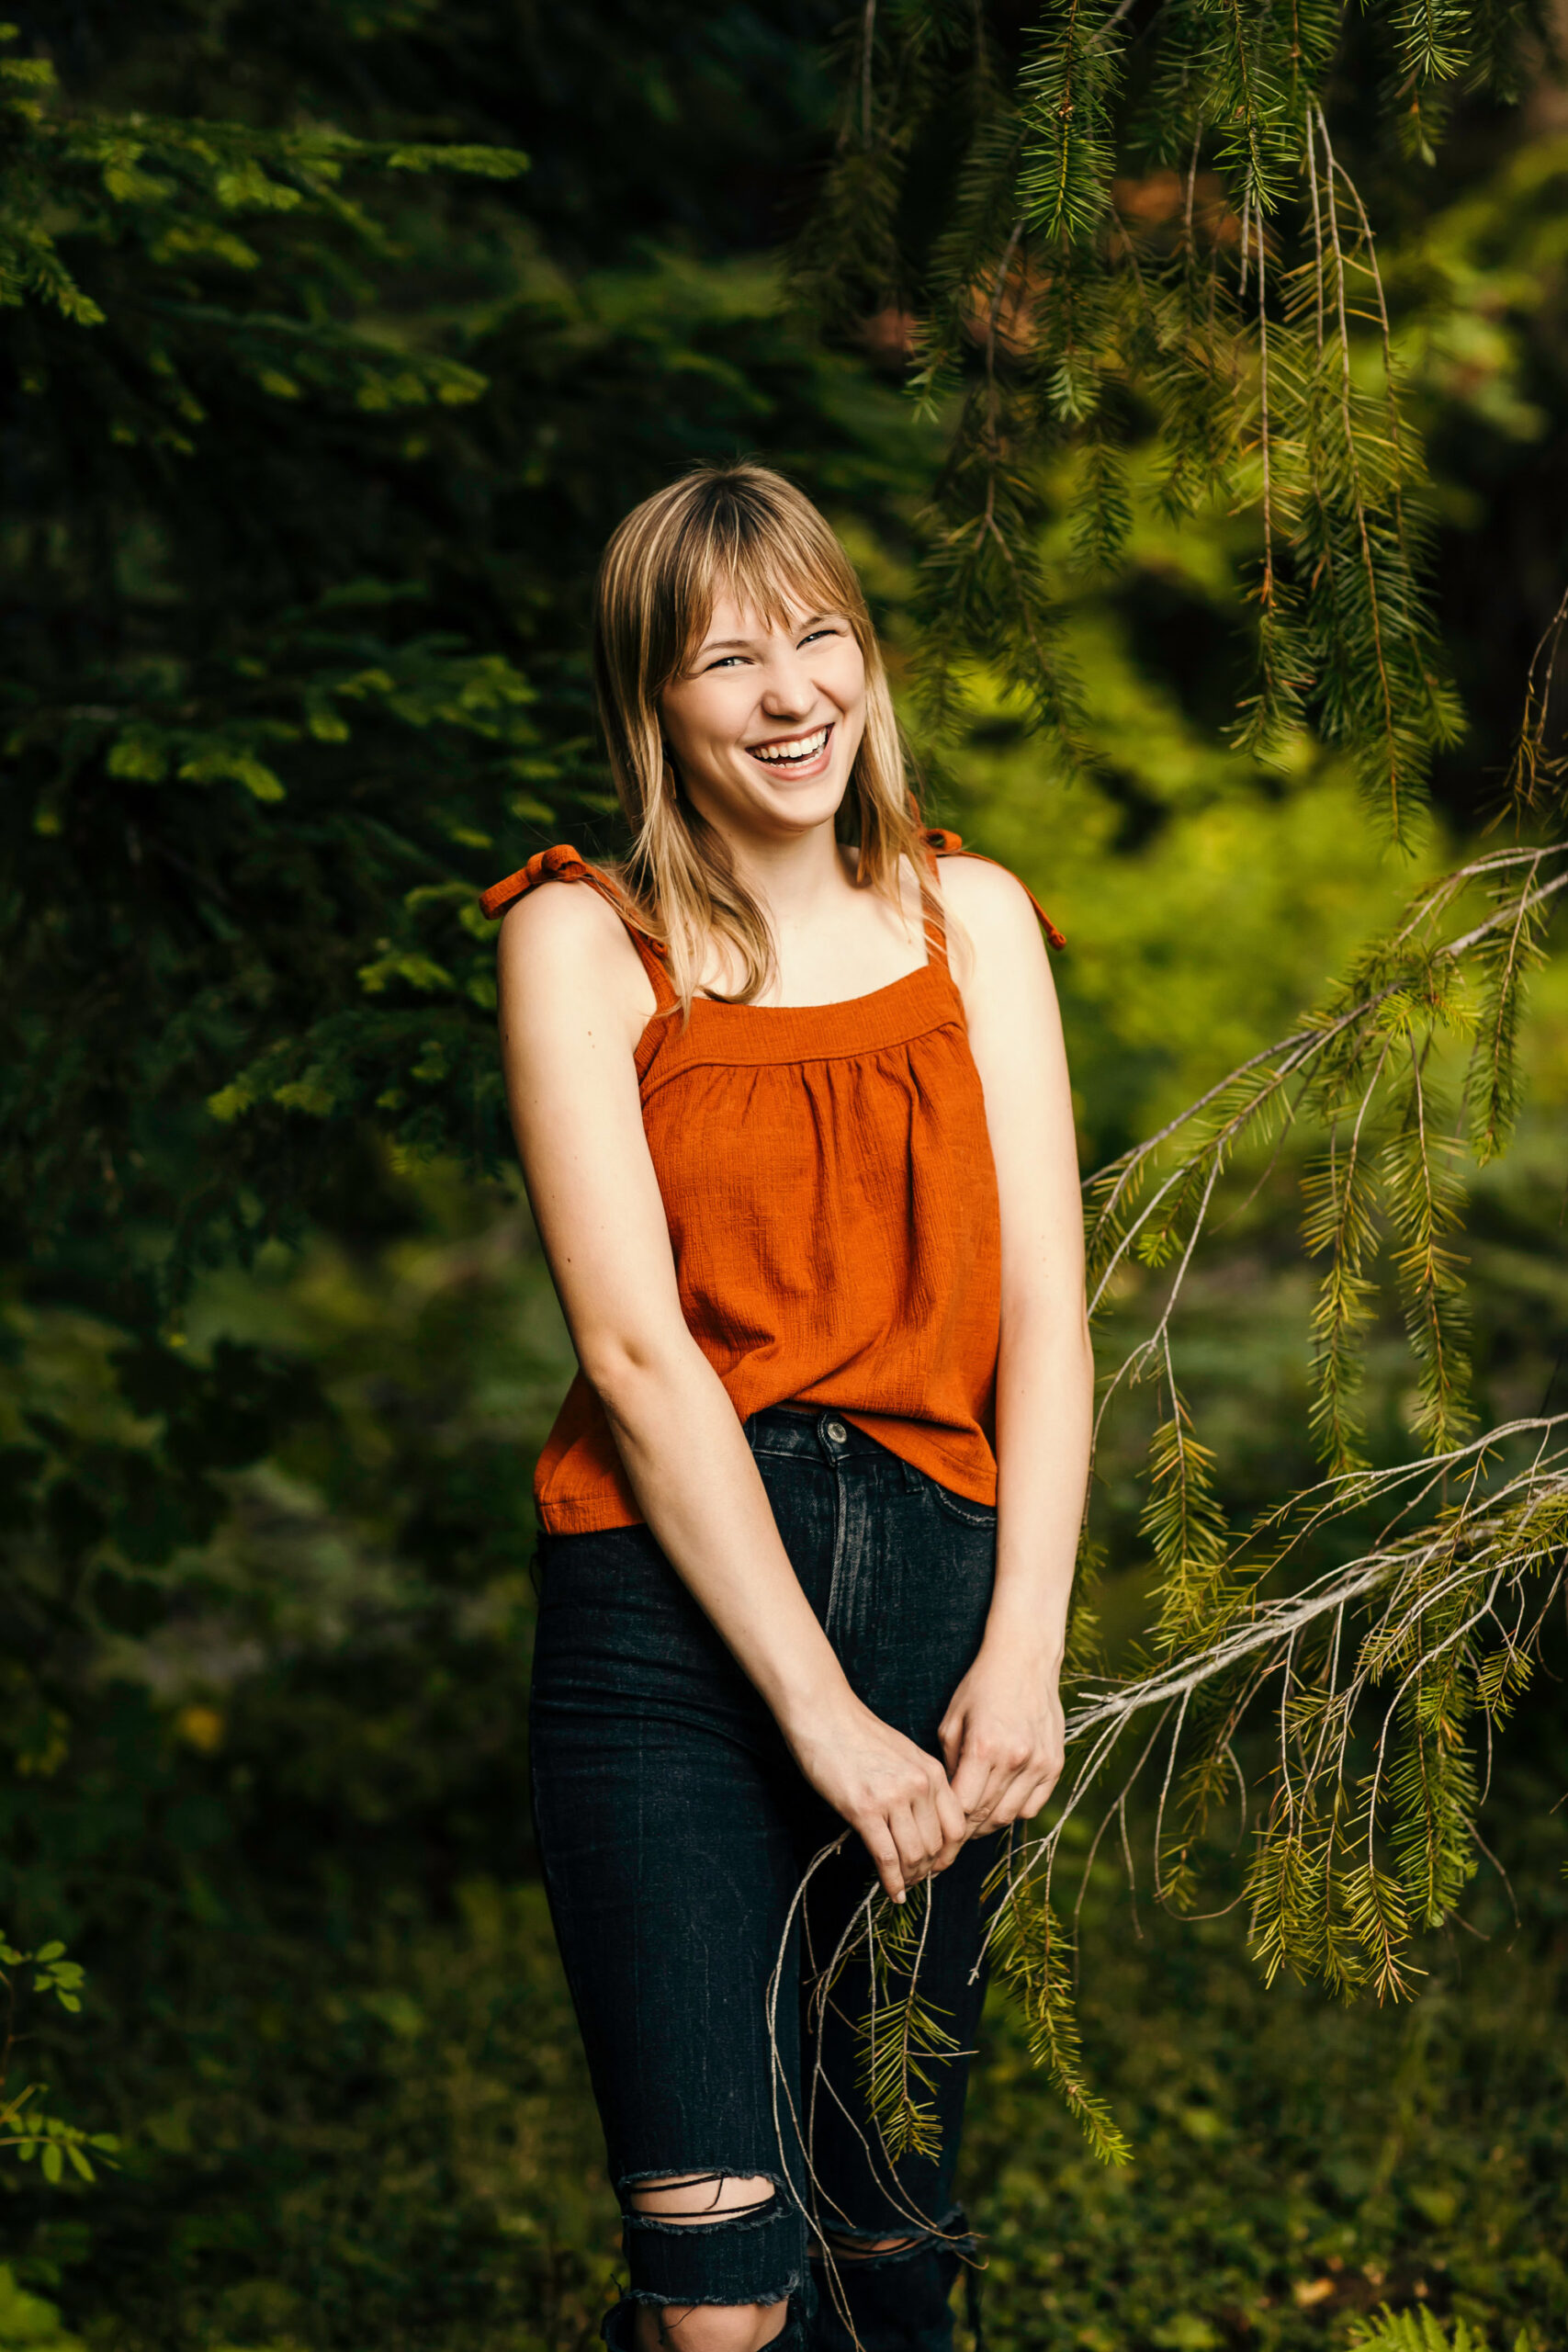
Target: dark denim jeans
x: 675, y: 1830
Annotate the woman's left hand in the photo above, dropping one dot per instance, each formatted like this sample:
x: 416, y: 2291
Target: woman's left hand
x: 1001, y: 1738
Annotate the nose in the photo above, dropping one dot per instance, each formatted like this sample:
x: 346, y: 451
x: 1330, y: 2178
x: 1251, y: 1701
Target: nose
x: 789, y: 691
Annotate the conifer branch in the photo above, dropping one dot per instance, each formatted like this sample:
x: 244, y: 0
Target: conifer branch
x: 1535, y: 771
x: 1094, y: 338
x: 1049, y: 321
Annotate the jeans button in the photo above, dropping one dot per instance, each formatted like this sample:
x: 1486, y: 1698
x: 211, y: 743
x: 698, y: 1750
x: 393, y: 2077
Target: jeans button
x: 837, y: 1432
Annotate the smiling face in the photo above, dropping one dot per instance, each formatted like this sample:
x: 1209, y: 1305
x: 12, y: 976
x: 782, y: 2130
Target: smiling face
x: 764, y: 718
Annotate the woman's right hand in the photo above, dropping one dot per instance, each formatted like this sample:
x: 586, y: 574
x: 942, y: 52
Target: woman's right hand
x: 896, y: 1797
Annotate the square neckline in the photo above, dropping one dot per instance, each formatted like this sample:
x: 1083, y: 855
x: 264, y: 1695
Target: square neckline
x: 822, y: 1004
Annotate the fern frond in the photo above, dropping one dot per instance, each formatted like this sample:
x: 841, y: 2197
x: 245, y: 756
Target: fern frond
x: 1417, y: 2331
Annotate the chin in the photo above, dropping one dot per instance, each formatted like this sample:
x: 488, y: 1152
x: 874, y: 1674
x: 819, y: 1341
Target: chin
x: 803, y: 812
x: 809, y: 801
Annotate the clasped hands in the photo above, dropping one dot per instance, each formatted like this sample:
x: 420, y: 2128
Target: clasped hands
x: 1002, y: 1746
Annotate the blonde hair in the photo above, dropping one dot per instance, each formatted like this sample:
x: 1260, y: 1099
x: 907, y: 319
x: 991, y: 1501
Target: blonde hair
x: 743, y: 530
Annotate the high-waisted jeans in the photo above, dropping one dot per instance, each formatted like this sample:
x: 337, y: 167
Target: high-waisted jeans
x: 675, y: 1830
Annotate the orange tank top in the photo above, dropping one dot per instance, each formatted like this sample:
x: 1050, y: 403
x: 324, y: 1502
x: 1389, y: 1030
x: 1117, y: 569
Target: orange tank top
x: 827, y: 1174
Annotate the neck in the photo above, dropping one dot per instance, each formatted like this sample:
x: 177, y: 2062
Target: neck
x: 792, y: 878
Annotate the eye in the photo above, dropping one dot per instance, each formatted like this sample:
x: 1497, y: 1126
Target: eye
x: 827, y: 629
x: 724, y: 661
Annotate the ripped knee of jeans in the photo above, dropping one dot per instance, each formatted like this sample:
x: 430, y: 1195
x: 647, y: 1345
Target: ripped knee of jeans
x: 858, y: 2247
x: 846, y: 2243
x: 699, y: 2238
x: 721, y: 2255
x: 689, y: 2200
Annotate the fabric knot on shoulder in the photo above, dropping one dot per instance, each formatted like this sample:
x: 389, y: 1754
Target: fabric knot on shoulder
x: 561, y: 862
x: 564, y: 863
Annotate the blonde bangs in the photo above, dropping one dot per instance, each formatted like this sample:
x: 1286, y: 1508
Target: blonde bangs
x: 763, y: 576
x: 744, y: 531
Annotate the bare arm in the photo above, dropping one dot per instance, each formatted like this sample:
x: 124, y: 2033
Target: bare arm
x: 1002, y: 1734
x: 573, y: 998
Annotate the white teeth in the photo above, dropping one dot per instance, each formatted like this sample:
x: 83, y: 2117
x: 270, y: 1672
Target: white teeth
x: 789, y: 755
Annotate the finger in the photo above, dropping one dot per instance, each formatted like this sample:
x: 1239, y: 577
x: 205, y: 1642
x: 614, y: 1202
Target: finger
x: 1001, y: 1810
x: 911, y: 1840
x: 953, y: 1819
x: 1007, y: 1787
x: 1046, y: 1772
x: 1001, y: 1772
x: 972, y: 1781
x: 878, y: 1842
x: 928, y: 1829
x: 941, y: 1817
x: 1023, y: 1797
x: 984, y: 1821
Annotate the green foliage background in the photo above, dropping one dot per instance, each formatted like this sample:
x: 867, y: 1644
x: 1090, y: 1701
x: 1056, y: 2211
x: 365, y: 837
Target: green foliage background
x: 295, y: 555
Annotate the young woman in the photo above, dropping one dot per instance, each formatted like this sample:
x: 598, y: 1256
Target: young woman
x: 792, y: 1110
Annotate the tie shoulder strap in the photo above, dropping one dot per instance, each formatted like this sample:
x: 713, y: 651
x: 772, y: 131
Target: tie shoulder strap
x: 563, y: 863
x: 943, y: 845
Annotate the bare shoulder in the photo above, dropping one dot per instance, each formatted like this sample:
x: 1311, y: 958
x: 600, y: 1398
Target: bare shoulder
x: 996, y: 930
x: 564, y: 947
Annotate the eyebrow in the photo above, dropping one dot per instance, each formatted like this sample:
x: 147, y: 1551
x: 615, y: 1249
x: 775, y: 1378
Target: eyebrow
x: 741, y: 644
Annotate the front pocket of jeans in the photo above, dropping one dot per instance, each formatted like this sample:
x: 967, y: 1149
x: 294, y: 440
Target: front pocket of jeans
x: 960, y: 1508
